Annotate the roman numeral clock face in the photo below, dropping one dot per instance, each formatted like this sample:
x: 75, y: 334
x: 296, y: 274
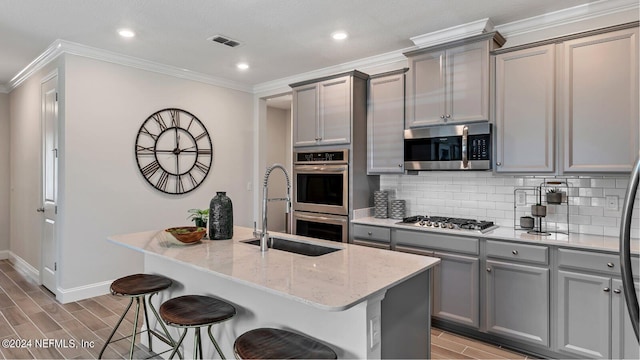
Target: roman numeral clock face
x: 174, y: 151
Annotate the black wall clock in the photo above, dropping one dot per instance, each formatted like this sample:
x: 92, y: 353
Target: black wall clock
x: 173, y: 151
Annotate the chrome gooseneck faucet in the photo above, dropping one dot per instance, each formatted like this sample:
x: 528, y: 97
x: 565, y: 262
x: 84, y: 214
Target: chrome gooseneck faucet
x: 265, y: 236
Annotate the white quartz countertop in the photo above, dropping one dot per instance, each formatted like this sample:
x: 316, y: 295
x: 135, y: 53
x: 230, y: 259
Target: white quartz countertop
x: 335, y: 281
x: 582, y: 241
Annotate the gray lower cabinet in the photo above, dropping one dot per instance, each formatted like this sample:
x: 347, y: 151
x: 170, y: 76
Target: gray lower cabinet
x: 517, y: 301
x: 584, y: 315
x: 624, y: 344
x: 372, y: 236
x: 456, y: 280
x: 456, y: 284
x: 592, y: 317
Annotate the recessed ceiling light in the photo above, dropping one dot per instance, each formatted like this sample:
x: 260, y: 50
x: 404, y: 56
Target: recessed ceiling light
x: 242, y: 66
x: 126, y: 33
x: 339, y: 35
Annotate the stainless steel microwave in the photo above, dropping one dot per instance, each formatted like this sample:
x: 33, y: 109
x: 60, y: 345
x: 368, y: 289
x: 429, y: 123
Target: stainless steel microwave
x: 448, y: 147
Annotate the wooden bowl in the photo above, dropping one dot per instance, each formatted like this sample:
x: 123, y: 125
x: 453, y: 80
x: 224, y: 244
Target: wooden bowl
x: 187, y: 234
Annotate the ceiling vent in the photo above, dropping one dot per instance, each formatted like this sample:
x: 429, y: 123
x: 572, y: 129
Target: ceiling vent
x: 224, y: 40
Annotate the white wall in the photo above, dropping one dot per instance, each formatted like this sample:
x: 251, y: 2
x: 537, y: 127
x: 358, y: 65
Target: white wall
x: 278, y: 151
x: 25, y: 169
x: 4, y: 173
x: 104, y: 190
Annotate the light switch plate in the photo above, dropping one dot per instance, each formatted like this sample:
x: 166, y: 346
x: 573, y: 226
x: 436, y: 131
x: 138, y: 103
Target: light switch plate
x: 521, y: 198
x: 612, y: 202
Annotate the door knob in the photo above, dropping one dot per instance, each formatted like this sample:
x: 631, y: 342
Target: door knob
x: 40, y: 209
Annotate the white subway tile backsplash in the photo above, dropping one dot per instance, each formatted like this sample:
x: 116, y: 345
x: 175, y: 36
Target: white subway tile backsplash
x: 488, y: 196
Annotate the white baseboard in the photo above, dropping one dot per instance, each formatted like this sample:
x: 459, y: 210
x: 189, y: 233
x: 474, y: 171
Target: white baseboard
x: 83, y: 292
x: 24, y: 267
x: 62, y: 295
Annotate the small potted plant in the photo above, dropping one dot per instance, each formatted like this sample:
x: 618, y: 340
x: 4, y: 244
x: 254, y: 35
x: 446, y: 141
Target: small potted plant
x: 554, y: 196
x: 199, y: 216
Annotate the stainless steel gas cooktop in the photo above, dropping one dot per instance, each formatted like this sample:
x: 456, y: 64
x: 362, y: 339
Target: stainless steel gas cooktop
x: 448, y: 223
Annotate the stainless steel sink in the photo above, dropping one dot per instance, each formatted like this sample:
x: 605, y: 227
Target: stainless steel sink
x: 295, y: 247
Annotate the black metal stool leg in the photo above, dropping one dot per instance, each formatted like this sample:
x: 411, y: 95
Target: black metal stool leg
x: 172, y: 343
x: 146, y: 319
x: 135, y: 327
x: 115, y: 328
x: 215, y: 343
x: 175, y: 349
x: 197, y: 344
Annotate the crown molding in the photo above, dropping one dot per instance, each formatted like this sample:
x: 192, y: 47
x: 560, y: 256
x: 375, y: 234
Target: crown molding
x: 453, y: 33
x: 282, y: 84
x: 60, y: 47
x: 566, y: 16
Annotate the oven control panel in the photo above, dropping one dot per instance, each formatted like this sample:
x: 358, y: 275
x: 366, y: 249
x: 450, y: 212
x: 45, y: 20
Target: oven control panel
x: 334, y: 156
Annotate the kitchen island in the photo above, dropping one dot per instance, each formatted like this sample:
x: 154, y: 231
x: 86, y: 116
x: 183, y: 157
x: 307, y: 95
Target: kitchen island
x: 363, y: 302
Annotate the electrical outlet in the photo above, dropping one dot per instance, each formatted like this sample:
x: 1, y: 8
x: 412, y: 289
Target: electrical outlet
x: 612, y: 202
x: 374, y: 331
x: 521, y: 198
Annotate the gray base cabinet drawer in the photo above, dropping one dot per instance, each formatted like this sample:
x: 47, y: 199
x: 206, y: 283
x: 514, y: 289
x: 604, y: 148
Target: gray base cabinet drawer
x: 520, y: 252
x: 592, y: 261
x: 436, y: 241
x: 374, y: 233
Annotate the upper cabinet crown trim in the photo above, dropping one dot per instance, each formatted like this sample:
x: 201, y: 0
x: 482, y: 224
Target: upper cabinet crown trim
x: 354, y: 73
x: 453, y: 33
x: 498, y: 41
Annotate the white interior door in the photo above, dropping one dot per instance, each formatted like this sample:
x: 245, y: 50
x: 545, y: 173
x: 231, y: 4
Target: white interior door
x: 49, y: 181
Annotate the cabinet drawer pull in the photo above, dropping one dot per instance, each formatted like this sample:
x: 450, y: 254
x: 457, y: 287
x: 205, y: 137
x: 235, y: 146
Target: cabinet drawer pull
x: 606, y: 289
x: 610, y: 265
x: 442, y: 116
x: 514, y: 252
x: 488, y: 269
x: 369, y: 233
x: 498, y: 164
x: 617, y: 291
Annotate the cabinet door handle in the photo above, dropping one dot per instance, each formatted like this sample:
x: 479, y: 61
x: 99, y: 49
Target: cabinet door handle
x: 399, y: 165
x: 448, y: 116
x: 369, y: 233
x: 514, y: 252
x: 488, y: 269
x: 442, y: 116
x: 40, y: 209
x: 610, y: 265
x: 617, y: 291
x: 498, y: 164
x: 606, y: 289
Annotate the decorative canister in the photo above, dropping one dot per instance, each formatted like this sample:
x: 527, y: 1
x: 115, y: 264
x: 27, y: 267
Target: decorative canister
x: 220, y: 217
x: 397, y: 209
x: 380, y: 204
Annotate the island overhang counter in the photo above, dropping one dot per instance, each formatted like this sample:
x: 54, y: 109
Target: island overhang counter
x: 361, y: 301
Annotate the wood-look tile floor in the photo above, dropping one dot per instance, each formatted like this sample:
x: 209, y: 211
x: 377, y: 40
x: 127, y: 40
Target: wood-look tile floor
x: 30, y: 312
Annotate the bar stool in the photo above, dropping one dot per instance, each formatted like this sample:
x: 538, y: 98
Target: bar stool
x: 268, y: 343
x: 137, y: 287
x: 196, y: 311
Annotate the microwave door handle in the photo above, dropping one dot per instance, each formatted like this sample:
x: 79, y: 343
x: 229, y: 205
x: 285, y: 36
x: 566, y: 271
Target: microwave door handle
x: 465, y: 136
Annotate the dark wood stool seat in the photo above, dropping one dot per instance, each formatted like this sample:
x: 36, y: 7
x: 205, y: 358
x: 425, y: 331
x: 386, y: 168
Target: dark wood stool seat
x: 137, y: 287
x: 196, y: 311
x: 140, y: 284
x: 268, y: 343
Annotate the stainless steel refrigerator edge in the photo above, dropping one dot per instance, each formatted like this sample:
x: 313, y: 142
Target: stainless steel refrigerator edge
x: 625, y: 248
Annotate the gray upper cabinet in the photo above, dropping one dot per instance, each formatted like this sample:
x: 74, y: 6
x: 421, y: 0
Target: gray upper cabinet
x: 323, y: 110
x: 450, y: 83
x: 385, y: 123
x: 525, y: 110
x: 599, y: 102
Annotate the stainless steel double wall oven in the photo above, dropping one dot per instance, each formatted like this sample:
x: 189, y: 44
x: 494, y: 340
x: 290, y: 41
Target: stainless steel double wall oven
x: 321, y: 194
